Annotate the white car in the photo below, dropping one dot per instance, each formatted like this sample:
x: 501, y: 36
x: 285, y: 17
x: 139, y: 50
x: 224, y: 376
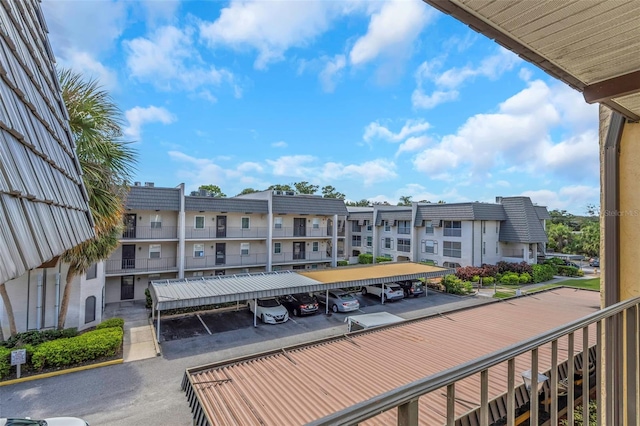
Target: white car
x: 391, y: 291
x: 339, y: 301
x: 269, y: 310
x: 53, y: 421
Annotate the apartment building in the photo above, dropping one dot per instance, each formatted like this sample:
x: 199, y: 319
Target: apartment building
x: 450, y: 235
x: 172, y: 235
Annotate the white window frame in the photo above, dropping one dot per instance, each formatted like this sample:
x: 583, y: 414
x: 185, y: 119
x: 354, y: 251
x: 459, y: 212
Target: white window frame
x: 245, y: 248
x: 404, y: 227
x: 153, y: 249
x: 450, y: 228
x: 356, y: 241
x: 451, y: 251
x: 405, y: 247
x: 198, y: 250
x: 387, y: 243
x: 195, y: 222
x: 156, y: 221
x: 315, y: 246
x: 315, y: 223
x: 428, y: 227
x: 369, y: 225
x: 369, y: 241
x: 387, y: 226
x: 242, y: 222
x: 431, y: 244
x: 277, y: 222
x: 277, y: 248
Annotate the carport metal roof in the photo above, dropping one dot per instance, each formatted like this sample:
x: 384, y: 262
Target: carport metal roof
x: 186, y: 293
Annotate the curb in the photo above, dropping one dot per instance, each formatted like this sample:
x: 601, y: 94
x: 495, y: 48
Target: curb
x: 156, y: 345
x: 61, y: 372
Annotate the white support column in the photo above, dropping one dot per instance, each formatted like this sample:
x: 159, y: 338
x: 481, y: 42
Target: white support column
x: 326, y: 305
x: 181, y: 233
x: 415, y: 244
x: 255, y: 312
x: 57, y: 307
x: 269, y: 231
x: 39, y: 300
x: 334, y: 242
x: 158, y: 330
x: 382, y: 294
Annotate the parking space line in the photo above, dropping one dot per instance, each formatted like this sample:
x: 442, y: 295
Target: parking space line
x: 294, y: 321
x: 205, y: 325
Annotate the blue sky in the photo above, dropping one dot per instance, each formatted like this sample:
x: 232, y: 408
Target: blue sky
x: 380, y: 99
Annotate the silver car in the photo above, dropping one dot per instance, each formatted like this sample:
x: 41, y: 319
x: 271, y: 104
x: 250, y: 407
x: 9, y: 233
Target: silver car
x: 339, y: 301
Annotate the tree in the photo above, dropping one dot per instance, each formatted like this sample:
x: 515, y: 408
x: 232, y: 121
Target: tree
x: 565, y: 218
x: 362, y: 203
x: 305, y: 187
x: 442, y: 202
x: 107, y: 162
x: 405, y: 200
x: 247, y: 191
x: 213, y: 190
x: 9, y: 310
x: 330, y: 192
x: 279, y: 187
x: 560, y: 237
x: 589, y: 239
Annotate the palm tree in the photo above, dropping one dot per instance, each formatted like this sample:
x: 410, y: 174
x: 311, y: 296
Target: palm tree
x: 107, y: 162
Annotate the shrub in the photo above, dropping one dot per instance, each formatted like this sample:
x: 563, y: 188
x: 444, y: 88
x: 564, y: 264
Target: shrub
x: 85, y: 347
x: 110, y: 323
x: 467, y: 273
x: 5, y: 361
x: 555, y: 261
x: 455, y: 285
x: 381, y: 259
x: 488, y: 281
x: 36, y: 337
x: 489, y: 270
x: 475, y: 279
x: 568, y: 271
x: 511, y: 278
x: 343, y: 262
x: 542, y: 272
x: 148, y: 301
x: 524, y: 278
x: 365, y: 258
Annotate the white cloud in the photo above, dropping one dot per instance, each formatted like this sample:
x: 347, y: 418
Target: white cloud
x: 392, y: 31
x: 375, y: 130
x: 89, y: 67
x: 369, y: 172
x: 165, y: 10
x: 250, y: 167
x: 413, y: 143
x: 574, y: 198
x: 573, y: 157
x: 139, y: 116
x: 292, y: 165
x: 279, y: 144
x: 447, y: 83
x: 169, y: 60
x: 331, y: 72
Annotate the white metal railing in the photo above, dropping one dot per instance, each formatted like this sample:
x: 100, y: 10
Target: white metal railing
x: 618, y: 375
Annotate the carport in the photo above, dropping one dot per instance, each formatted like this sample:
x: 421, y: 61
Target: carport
x: 187, y: 293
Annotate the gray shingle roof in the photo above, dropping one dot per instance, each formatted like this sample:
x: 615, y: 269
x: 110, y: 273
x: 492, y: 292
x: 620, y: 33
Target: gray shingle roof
x: 460, y: 211
x: 542, y: 212
x: 308, y: 204
x: 523, y: 223
x: 234, y: 204
x: 392, y: 214
x: 43, y: 204
x: 153, y: 198
x: 361, y: 215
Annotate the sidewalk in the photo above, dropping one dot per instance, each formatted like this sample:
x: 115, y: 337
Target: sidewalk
x: 138, y: 342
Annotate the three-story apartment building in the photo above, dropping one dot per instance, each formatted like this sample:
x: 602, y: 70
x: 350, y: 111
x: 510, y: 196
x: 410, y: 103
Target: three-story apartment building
x: 451, y: 235
x: 170, y: 235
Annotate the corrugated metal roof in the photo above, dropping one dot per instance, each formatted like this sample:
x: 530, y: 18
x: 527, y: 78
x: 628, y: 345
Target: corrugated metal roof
x: 308, y: 204
x: 316, y: 379
x: 43, y: 204
x: 523, y: 222
x: 590, y: 45
x: 153, y: 198
x: 181, y: 293
x: 234, y: 204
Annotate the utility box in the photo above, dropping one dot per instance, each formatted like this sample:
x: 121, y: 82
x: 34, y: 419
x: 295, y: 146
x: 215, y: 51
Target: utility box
x: 377, y: 319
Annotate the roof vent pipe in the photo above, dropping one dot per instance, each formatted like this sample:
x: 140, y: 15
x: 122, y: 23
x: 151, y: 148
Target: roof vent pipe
x: 499, y: 200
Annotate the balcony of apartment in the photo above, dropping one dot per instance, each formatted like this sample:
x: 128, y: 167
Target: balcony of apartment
x: 301, y: 257
x: 539, y: 381
x: 513, y: 255
x: 298, y: 232
x: 150, y: 233
x: 235, y: 260
x: 211, y: 233
x: 341, y: 232
x: 132, y: 266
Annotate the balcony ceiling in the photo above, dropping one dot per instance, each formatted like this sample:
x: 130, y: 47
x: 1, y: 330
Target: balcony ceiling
x: 591, y: 45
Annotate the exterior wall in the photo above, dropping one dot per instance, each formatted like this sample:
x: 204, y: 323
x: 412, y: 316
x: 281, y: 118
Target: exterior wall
x: 258, y: 224
x: 489, y: 238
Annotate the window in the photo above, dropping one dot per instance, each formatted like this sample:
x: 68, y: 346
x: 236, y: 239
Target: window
x: 431, y: 246
x: 369, y: 241
x: 404, y: 245
x: 92, y: 271
x: 90, y: 309
x: 156, y: 221
x: 369, y: 225
x: 428, y: 227
x: 244, y: 248
x: 315, y: 246
x: 356, y: 240
x: 154, y: 251
x: 452, y: 248
x: 387, y: 226
x: 314, y: 266
x: 355, y: 227
x: 199, y: 222
x: 277, y: 248
x: 388, y: 243
x: 277, y: 222
x: 404, y: 227
x: 315, y: 223
x: 246, y: 223
x: 198, y: 274
x: 198, y: 250
x: 452, y: 228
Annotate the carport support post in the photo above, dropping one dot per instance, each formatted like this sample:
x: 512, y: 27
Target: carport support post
x: 255, y: 312
x: 326, y: 305
x: 382, y: 294
x: 158, y: 330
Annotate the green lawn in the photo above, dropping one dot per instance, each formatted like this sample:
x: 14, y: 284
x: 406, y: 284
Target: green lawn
x: 589, y: 284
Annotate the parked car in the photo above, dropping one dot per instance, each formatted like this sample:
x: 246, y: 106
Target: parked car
x: 339, y: 301
x: 391, y: 291
x: 568, y: 263
x: 52, y: 421
x: 412, y: 288
x: 299, y: 304
x: 269, y: 310
x: 595, y: 262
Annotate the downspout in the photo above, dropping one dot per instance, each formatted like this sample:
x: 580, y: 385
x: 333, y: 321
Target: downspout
x: 181, y: 233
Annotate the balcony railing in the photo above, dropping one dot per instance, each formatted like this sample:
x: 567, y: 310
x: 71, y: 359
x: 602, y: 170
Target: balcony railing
x: 230, y: 232
x: 515, y: 253
x: 130, y: 266
x: 306, y: 256
x: 284, y: 232
x: 225, y: 261
x: 567, y: 386
x: 150, y: 233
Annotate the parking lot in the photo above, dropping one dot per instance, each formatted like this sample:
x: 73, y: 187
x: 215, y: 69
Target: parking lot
x: 193, y: 334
